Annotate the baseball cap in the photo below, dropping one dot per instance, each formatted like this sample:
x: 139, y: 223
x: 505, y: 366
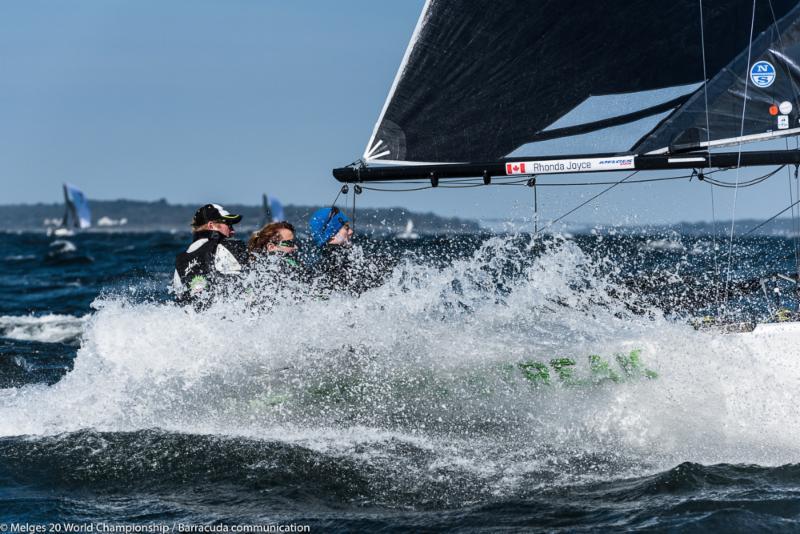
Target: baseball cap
x: 214, y: 213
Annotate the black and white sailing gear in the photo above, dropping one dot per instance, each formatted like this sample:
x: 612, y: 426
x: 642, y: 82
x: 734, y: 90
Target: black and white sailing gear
x: 210, y: 259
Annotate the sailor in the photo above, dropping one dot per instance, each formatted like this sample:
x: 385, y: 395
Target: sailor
x: 275, y: 247
x: 212, y: 257
x: 330, y: 229
x: 340, y: 266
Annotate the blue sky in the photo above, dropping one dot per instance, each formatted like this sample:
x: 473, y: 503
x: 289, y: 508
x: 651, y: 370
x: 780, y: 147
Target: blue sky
x: 200, y: 100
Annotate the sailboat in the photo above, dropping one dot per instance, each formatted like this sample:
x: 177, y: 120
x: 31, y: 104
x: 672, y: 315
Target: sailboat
x: 77, y: 214
x: 408, y: 232
x: 523, y: 90
x: 272, y: 210
x: 661, y: 86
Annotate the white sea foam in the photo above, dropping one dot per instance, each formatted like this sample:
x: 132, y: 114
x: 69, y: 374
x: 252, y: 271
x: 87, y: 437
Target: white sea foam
x: 52, y: 328
x: 432, y: 358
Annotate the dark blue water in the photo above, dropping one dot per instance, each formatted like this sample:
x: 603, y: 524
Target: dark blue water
x: 415, y: 407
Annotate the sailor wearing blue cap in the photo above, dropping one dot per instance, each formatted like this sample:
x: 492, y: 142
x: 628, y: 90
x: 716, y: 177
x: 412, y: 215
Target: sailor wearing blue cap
x: 331, y: 231
x: 330, y: 226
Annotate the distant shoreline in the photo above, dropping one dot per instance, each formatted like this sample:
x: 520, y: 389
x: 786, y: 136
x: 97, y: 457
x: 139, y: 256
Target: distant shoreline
x: 160, y: 215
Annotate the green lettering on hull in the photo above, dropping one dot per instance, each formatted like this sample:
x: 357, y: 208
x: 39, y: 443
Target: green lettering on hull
x: 630, y: 367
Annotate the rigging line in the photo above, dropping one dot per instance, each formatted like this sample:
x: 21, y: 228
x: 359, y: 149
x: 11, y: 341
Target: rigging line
x: 524, y: 183
x: 728, y: 185
x: 794, y: 215
x: 714, y: 246
x: 705, y: 78
x: 535, y: 209
x: 784, y: 210
x: 582, y: 204
x: 708, y: 138
x: 724, y: 185
x: 367, y: 188
x: 353, y: 214
x: 335, y: 200
x: 755, y: 181
x: 632, y: 182
x: 749, y: 183
x: 739, y: 159
x: 797, y: 195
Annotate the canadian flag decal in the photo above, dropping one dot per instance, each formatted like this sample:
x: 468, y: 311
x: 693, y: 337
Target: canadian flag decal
x: 515, y: 168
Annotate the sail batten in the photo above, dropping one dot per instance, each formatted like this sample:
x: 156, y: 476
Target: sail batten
x: 587, y: 127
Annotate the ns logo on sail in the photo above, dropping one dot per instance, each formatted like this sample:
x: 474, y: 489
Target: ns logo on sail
x: 762, y: 73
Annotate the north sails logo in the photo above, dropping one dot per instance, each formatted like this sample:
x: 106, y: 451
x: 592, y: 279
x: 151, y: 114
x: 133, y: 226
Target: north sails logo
x: 762, y: 74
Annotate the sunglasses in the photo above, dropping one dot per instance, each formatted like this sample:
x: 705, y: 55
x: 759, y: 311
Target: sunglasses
x: 289, y: 243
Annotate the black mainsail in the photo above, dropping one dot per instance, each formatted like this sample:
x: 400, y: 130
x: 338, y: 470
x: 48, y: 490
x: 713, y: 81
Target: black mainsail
x: 482, y: 80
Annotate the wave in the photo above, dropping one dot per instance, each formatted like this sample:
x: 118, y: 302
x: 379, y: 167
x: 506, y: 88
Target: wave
x: 450, y: 358
x: 51, y: 328
x: 380, y: 480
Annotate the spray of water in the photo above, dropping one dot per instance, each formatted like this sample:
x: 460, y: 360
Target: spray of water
x: 467, y: 364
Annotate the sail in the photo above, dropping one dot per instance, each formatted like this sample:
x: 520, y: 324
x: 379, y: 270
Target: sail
x: 480, y: 78
x: 755, y: 97
x: 277, y: 209
x: 77, y: 213
x: 272, y: 209
x: 266, y: 213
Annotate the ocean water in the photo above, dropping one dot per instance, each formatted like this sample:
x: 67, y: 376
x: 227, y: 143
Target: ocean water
x: 491, y: 383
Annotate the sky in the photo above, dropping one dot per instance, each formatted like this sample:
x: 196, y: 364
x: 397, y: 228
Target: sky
x: 198, y: 100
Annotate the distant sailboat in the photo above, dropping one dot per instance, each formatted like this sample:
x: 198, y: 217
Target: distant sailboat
x: 76, y: 212
x: 272, y: 209
x: 409, y: 232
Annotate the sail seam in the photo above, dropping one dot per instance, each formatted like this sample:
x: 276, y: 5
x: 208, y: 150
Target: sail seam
x: 589, y: 127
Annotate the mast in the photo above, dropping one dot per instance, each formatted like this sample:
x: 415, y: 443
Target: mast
x: 265, y: 211
x: 67, y: 203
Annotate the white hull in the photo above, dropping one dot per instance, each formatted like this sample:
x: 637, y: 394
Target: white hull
x: 776, y: 337
x: 61, y: 232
